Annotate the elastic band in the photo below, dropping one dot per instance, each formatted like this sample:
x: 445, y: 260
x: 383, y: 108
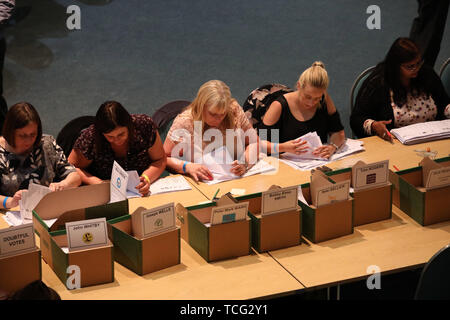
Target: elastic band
x: 184, y: 166
x: 4, y: 202
x: 146, y: 178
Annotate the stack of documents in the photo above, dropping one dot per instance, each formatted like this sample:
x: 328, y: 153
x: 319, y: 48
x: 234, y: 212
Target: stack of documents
x: 351, y: 146
x: 423, y: 132
x: 312, y: 141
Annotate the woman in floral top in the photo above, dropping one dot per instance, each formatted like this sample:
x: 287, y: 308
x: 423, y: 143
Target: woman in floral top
x: 28, y: 156
x: 130, y: 140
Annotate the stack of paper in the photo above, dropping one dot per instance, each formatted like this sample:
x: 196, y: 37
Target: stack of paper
x: 312, y: 141
x: 423, y: 132
x: 169, y: 184
x: 351, y: 146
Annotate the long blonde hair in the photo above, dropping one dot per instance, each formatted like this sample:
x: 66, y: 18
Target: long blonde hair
x: 214, y: 95
x: 315, y: 76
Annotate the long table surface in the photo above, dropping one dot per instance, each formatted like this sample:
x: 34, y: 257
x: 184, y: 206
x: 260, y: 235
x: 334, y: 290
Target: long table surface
x: 376, y: 149
x: 252, y: 276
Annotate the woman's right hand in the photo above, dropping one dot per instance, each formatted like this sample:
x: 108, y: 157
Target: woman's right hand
x: 94, y: 180
x: 13, y: 201
x: 379, y: 128
x: 296, y: 146
x: 198, y: 171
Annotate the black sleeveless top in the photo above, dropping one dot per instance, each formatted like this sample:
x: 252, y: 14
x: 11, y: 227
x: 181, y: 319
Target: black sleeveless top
x: 291, y: 128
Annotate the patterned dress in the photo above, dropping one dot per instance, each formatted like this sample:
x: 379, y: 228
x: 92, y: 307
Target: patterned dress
x: 45, y: 164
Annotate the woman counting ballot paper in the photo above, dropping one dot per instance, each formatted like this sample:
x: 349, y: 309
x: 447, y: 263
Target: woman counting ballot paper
x: 27, y: 156
x: 130, y: 140
x: 400, y: 91
x: 305, y: 110
x: 205, y: 124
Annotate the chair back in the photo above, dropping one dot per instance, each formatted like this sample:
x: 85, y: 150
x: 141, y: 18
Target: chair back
x: 434, y: 282
x: 444, y: 73
x: 164, y: 116
x: 71, y: 131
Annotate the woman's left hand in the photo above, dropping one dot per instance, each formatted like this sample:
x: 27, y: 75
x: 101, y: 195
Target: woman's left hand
x: 143, y: 187
x: 57, y: 186
x: 238, y: 168
x: 325, y: 151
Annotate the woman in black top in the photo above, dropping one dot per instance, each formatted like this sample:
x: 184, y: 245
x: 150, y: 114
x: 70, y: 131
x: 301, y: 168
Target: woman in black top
x: 308, y: 109
x: 399, y: 92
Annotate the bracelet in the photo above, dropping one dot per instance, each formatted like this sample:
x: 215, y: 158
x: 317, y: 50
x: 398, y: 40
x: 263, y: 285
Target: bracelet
x: 4, y: 202
x: 275, y: 148
x: 146, y: 178
x: 334, y: 145
x: 184, y: 166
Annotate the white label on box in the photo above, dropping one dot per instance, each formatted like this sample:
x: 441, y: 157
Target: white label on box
x: 279, y: 200
x: 17, y: 240
x: 119, y: 183
x: 336, y: 192
x: 438, y: 178
x: 87, y: 234
x: 158, y: 220
x: 371, y: 175
x: 229, y: 213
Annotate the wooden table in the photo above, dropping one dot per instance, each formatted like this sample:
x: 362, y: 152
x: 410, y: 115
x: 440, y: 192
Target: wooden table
x: 393, y: 245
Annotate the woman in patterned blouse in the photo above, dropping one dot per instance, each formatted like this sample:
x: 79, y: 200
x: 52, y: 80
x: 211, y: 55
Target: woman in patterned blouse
x: 130, y: 140
x: 399, y: 92
x: 28, y: 156
x: 210, y: 116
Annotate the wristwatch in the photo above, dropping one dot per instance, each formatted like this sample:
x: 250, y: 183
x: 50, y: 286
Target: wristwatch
x: 334, y: 145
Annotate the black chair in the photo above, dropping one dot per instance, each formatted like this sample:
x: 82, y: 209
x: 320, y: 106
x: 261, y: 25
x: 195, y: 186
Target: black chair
x: 71, y: 131
x: 444, y: 74
x: 434, y: 282
x: 164, y: 116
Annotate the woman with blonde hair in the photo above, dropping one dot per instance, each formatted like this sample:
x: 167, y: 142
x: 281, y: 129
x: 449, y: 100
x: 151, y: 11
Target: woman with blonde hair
x: 307, y: 109
x: 212, y: 113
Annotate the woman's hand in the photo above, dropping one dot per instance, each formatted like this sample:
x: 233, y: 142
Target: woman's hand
x: 144, y: 186
x: 238, y: 168
x: 57, y: 186
x: 13, y: 201
x: 325, y: 151
x: 198, y: 171
x: 296, y: 146
x: 379, y: 128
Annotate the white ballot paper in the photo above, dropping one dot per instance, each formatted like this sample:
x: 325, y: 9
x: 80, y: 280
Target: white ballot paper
x: 16, y: 240
x: 133, y: 181
x: 170, y: 184
x: 87, y: 234
x: 119, y: 183
x: 30, y: 199
x: 423, y: 132
x: 312, y: 141
x: 219, y: 163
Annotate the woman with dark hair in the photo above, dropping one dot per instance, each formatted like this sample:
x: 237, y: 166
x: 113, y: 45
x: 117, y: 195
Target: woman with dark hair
x: 399, y: 92
x: 26, y: 155
x: 130, y: 140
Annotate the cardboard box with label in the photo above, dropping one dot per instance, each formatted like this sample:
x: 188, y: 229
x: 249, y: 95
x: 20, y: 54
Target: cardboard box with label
x: 145, y: 251
x: 275, y: 218
x: 372, y: 191
x: 20, y: 259
x: 58, y: 208
x: 424, y: 191
x: 327, y: 208
x: 216, y: 230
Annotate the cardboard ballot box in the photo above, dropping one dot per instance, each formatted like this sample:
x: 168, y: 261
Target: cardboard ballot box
x: 328, y: 221
x: 275, y: 230
x: 17, y: 271
x: 425, y: 205
x: 213, y: 241
x: 96, y: 265
x: 371, y: 204
x: 87, y: 202
x: 146, y: 255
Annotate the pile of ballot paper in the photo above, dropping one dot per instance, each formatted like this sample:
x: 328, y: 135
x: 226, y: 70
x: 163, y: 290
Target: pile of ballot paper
x: 307, y: 161
x: 423, y: 132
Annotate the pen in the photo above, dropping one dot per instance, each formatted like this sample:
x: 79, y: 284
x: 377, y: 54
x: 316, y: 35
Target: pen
x: 395, y: 167
x: 215, y: 194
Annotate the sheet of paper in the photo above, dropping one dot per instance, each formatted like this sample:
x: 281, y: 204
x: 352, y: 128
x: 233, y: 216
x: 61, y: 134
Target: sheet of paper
x: 370, y: 175
x: 170, y: 184
x: 31, y: 198
x: 16, y: 240
x: 13, y: 218
x: 229, y: 213
x: 260, y: 167
x: 301, y: 197
x: 423, y: 131
x: 312, y: 141
x: 351, y: 146
x: 334, y: 193
x: 154, y: 221
x: 87, y: 234
x: 119, y: 183
x: 133, y: 181
x: 219, y: 163
x: 279, y: 200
